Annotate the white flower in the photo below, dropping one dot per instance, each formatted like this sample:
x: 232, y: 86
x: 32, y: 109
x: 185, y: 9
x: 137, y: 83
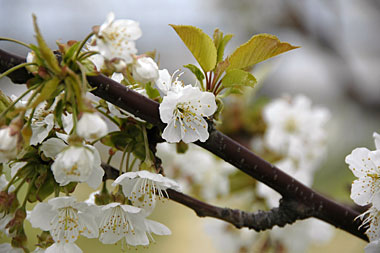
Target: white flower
x: 137, y: 184
x: 373, y: 247
x: 78, y: 164
x: 145, y: 70
x: 372, y: 218
x: 118, y: 221
x: 365, y: 165
x: 115, y: 39
x: 63, y: 248
x: 295, y: 128
x: 65, y: 219
x: 165, y: 82
x: 184, y: 111
x: 41, y: 129
x: 8, y: 144
x: 227, y: 238
x: 210, y: 178
x: 299, y: 236
x: 7, y: 248
x: 91, y: 126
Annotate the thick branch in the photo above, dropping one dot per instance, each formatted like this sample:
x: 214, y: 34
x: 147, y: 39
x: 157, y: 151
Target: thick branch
x: 221, y: 145
x: 288, y: 212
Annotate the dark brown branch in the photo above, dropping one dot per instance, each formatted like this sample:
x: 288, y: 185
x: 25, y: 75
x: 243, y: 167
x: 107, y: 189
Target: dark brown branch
x: 288, y: 212
x: 221, y: 145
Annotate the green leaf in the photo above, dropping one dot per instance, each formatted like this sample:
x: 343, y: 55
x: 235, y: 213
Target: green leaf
x: 151, y: 92
x: 259, y: 48
x: 237, y: 78
x: 196, y: 71
x: 58, y: 111
x: 199, y: 44
x: 71, y: 51
x: 48, y: 89
x: 45, y: 51
x: 222, y: 46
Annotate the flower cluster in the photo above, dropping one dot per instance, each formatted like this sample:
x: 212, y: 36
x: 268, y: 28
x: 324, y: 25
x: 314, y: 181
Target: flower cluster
x: 365, y: 165
x: 48, y: 143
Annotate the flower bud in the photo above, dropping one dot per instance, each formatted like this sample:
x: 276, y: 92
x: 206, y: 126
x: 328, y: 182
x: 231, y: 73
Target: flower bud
x: 8, y: 144
x: 91, y: 126
x: 145, y: 70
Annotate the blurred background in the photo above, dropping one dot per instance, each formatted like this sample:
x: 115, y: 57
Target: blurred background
x: 337, y: 66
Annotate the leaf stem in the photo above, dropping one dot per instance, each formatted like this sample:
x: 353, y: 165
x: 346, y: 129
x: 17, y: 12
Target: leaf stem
x: 18, y: 99
x: 22, y: 65
x: 15, y: 41
x: 82, y: 45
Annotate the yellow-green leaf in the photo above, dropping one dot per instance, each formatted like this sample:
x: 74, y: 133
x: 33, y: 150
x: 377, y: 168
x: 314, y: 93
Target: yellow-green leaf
x: 46, y: 53
x: 199, y: 44
x: 49, y: 87
x: 238, y: 78
x: 259, y: 48
x: 196, y: 71
x: 222, y: 46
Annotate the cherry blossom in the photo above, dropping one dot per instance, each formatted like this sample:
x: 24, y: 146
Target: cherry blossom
x: 78, y: 164
x: 66, y: 219
x: 184, y: 111
x: 137, y: 184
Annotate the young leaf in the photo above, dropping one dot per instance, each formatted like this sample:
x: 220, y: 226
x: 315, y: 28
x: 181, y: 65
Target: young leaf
x: 238, y: 78
x: 259, y: 48
x: 45, y: 51
x: 199, y: 44
x: 48, y: 89
x: 222, y: 46
x: 196, y: 71
x: 151, y: 92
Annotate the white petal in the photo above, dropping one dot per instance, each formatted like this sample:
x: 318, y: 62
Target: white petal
x: 358, y: 161
x: 92, y: 229
x: 157, y: 228
x: 41, y: 216
x: 52, y: 147
x: 362, y: 190
x: 7, y: 248
x: 208, y: 103
x: 167, y: 107
x: 172, y: 132
x: 41, y: 129
x: 376, y: 137
x: 137, y: 238
x: 63, y: 248
x: 373, y: 247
